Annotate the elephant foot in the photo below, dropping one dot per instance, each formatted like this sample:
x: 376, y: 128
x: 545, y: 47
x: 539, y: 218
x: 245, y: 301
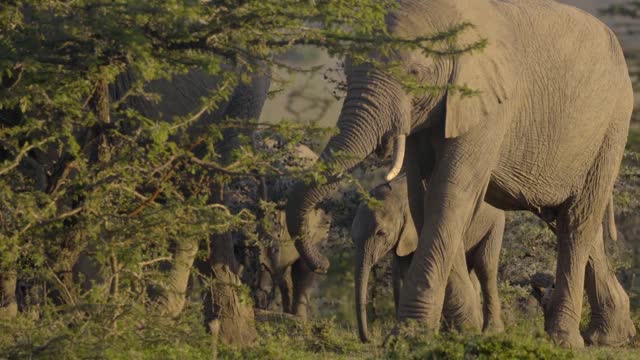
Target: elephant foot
x: 622, y: 332
x: 9, y: 311
x: 391, y: 337
x: 493, y: 326
x: 566, y: 339
x: 406, y: 329
x: 464, y: 325
x: 611, y: 323
x: 301, y: 312
x: 462, y: 314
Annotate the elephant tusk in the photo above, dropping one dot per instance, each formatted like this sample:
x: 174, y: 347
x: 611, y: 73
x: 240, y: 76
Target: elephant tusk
x: 398, y: 157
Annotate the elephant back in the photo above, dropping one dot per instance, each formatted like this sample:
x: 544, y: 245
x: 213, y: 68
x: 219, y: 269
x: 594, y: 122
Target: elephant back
x: 298, y: 157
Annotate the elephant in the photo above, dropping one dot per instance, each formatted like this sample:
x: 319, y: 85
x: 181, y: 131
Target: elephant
x: 280, y: 262
x: 281, y: 266
x: 8, y: 300
x: 377, y: 231
x: 543, y: 131
x: 181, y: 95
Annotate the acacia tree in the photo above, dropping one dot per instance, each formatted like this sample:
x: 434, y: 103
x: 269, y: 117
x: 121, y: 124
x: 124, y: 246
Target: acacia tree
x: 81, y: 172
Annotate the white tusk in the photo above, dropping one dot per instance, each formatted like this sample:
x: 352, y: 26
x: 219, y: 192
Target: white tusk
x: 398, y: 157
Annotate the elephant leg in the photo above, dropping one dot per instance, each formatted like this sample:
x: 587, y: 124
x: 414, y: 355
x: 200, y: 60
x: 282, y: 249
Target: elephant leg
x: 486, y: 267
x: 303, y: 279
x: 562, y: 321
x: 611, y: 323
x: 456, y: 190
x: 174, y: 296
x: 8, y: 302
x: 461, y: 310
x: 285, y: 284
x: 399, y: 271
x: 578, y: 225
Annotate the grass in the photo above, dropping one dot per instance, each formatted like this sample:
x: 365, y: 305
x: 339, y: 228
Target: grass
x: 137, y: 336
x: 633, y: 142
x: 130, y: 332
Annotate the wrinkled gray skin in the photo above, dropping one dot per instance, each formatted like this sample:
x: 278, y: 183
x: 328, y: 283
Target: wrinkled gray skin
x: 546, y: 134
x: 280, y: 263
x: 389, y: 228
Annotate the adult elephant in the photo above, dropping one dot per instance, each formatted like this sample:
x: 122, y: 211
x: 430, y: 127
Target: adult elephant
x: 377, y: 231
x: 546, y: 134
x: 180, y: 96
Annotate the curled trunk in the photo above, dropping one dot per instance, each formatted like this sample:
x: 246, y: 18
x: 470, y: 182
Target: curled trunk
x: 359, y: 136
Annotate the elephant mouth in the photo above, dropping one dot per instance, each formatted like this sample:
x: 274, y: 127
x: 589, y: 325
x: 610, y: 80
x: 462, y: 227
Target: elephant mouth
x: 385, y: 149
x: 394, y: 148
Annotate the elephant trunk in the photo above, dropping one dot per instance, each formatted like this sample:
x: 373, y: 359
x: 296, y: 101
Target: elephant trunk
x: 363, y: 269
x: 360, y: 133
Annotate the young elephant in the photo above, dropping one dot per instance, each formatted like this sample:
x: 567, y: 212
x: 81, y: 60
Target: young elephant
x: 389, y: 227
x: 281, y: 266
x: 280, y: 262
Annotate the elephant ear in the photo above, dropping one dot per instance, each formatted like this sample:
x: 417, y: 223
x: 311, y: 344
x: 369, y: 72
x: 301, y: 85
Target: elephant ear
x: 486, y: 72
x: 408, y: 240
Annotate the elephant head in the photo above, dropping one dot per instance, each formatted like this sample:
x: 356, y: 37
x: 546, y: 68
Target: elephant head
x: 379, y: 111
x: 376, y: 231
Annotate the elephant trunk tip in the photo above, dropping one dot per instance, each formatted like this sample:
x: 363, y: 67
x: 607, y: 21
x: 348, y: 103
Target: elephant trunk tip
x: 363, y: 329
x: 362, y: 281
x: 316, y: 262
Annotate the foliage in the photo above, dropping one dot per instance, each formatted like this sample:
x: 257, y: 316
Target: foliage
x: 132, y: 333
x: 130, y: 173
x: 83, y: 174
x: 516, y: 344
x: 124, y: 187
x: 110, y: 332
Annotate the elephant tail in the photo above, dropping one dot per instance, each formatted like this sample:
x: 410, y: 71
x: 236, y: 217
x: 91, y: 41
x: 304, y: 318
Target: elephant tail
x: 611, y: 221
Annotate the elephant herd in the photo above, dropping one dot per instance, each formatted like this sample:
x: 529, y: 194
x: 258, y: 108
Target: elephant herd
x: 545, y: 133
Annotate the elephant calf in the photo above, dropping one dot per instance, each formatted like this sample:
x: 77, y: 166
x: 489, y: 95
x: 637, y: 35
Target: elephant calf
x: 389, y: 227
x: 280, y: 264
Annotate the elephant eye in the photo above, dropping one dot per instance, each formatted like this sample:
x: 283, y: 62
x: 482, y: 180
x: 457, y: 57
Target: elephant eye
x: 381, y: 233
x: 415, y: 70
